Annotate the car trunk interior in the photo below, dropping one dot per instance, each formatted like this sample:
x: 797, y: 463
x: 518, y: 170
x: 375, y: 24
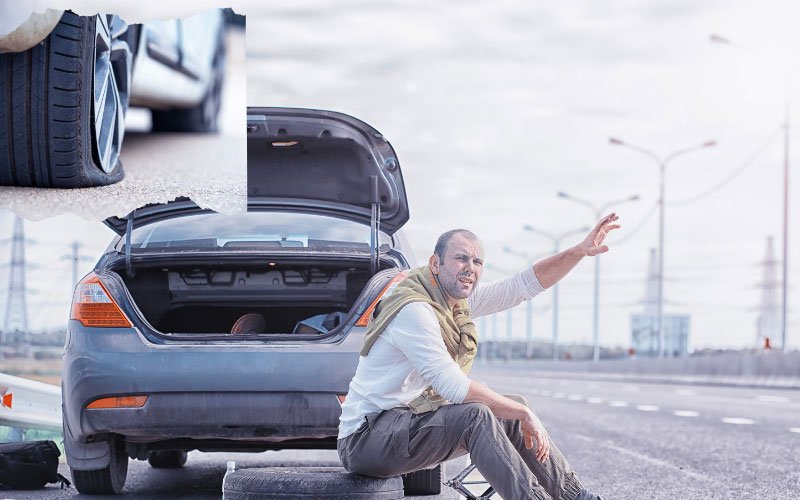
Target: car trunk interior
x: 209, y: 298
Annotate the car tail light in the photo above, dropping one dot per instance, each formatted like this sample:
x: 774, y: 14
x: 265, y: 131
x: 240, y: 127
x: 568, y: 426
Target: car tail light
x: 364, y: 319
x: 118, y: 402
x: 93, y: 306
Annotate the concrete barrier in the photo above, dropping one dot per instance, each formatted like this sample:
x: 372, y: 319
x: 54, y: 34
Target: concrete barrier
x: 767, y: 369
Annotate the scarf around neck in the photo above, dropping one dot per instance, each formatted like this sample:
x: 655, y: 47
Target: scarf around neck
x: 458, y: 331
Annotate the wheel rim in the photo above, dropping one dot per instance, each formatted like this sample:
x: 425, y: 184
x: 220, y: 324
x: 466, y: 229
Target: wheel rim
x: 112, y: 65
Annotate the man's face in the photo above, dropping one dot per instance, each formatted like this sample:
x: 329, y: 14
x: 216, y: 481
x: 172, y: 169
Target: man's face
x: 461, y: 268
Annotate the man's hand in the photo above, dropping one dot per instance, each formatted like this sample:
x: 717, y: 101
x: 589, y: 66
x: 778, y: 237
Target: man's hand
x: 532, y: 429
x: 593, y: 243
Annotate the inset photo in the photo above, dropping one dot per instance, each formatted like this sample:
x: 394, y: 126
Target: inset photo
x: 103, y: 115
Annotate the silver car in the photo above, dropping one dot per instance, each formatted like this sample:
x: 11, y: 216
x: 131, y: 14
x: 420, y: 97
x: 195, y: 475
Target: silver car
x: 198, y: 330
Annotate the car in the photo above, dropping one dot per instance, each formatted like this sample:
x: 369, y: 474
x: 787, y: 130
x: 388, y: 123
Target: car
x: 66, y: 82
x: 208, y: 331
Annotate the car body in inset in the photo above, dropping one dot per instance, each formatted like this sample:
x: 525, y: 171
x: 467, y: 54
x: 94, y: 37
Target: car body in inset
x: 151, y: 369
x: 66, y: 82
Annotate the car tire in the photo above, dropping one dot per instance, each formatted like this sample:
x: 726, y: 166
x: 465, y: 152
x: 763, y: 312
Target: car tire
x: 63, y: 104
x: 288, y: 483
x: 204, y: 117
x: 108, y: 480
x: 167, y: 459
x: 423, y: 482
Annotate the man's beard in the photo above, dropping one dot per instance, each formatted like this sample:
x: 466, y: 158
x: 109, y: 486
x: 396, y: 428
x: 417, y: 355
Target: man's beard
x: 452, y: 287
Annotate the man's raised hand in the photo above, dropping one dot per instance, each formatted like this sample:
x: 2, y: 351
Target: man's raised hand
x: 593, y: 243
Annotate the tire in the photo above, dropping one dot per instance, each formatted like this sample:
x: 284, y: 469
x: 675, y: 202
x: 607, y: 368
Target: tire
x: 290, y: 483
x: 108, y: 480
x: 423, y: 482
x: 168, y: 459
x: 57, y: 127
x: 204, y: 117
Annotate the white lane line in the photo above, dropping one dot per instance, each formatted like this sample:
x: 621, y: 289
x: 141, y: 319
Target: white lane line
x: 795, y: 429
x: 647, y: 408
x: 649, y: 459
x: 630, y: 388
x: 738, y: 421
x: 546, y: 393
x: 686, y: 392
x: 618, y: 404
x: 594, y: 401
x: 773, y: 399
x: 559, y: 395
x: 686, y: 413
x: 575, y: 397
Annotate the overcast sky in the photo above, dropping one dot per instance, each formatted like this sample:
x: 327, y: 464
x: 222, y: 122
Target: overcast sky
x: 495, y: 106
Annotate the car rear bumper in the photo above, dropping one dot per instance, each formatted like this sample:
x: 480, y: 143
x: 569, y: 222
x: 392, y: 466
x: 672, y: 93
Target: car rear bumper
x: 263, y: 393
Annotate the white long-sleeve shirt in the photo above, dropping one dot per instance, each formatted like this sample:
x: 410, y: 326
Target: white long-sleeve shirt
x: 411, y: 355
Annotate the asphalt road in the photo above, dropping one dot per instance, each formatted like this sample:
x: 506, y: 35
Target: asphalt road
x: 211, y: 169
x: 626, y: 441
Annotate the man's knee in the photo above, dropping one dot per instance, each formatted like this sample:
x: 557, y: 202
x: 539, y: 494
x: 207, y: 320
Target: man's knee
x: 477, y: 413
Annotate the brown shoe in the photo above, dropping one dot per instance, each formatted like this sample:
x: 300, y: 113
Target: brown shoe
x: 249, y: 323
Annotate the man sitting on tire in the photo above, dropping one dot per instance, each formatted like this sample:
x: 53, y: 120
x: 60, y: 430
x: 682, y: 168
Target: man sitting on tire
x: 411, y: 405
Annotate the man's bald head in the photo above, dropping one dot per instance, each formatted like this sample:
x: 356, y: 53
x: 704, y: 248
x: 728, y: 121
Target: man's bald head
x: 444, y: 239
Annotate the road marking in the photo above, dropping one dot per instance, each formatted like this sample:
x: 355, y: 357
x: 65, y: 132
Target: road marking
x: 773, y: 399
x: 559, y: 395
x: 686, y: 392
x: 575, y: 397
x: 738, y: 421
x: 650, y: 459
x: 630, y: 388
x: 647, y: 408
x: 795, y: 429
x: 594, y: 401
x: 546, y: 393
x: 685, y: 413
x: 618, y: 404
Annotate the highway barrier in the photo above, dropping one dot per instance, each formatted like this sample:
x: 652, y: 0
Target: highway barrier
x: 29, y: 404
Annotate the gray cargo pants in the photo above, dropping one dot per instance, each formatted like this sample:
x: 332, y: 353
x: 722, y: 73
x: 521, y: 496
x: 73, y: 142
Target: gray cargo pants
x: 396, y: 441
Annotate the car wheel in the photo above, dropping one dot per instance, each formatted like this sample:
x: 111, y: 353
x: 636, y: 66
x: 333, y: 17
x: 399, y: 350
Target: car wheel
x: 289, y: 483
x: 423, y: 482
x: 204, y: 117
x: 167, y: 459
x: 63, y: 103
x: 107, y: 480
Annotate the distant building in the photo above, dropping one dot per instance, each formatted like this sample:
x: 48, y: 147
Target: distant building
x: 644, y: 334
x: 644, y: 326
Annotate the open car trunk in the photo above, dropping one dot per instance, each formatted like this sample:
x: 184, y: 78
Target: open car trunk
x: 296, y: 299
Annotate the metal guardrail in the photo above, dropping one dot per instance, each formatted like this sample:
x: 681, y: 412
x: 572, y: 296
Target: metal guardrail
x: 29, y: 404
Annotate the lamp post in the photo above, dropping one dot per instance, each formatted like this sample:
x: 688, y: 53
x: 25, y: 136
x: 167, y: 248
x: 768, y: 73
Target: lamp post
x: 556, y: 248
x: 662, y: 166
x: 529, y: 305
x: 785, y: 260
x: 598, y: 212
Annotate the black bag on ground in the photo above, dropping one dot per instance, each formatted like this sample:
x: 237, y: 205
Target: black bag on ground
x: 26, y: 466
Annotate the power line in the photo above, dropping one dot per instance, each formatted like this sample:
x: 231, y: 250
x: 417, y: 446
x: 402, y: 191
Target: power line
x: 749, y: 162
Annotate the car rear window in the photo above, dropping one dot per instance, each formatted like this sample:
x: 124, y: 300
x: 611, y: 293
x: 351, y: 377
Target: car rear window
x: 254, y: 231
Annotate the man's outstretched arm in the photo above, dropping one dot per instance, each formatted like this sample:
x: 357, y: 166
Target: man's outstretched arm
x: 550, y: 270
x: 503, y: 407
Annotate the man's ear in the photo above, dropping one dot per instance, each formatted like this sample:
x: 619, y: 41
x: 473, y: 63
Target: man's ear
x: 433, y: 263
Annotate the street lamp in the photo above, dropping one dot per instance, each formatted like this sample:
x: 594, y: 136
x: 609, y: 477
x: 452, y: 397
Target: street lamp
x: 556, y: 248
x: 662, y: 164
x: 785, y: 261
x: 598, y: 212
x: 529, y: 306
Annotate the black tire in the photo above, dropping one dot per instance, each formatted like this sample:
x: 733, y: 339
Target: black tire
x: 204, y: 117
x: 423, y: 482
x: 108, y: 480
x: 48, y: 136
x: 167, y: 459
x: 289, y: 483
